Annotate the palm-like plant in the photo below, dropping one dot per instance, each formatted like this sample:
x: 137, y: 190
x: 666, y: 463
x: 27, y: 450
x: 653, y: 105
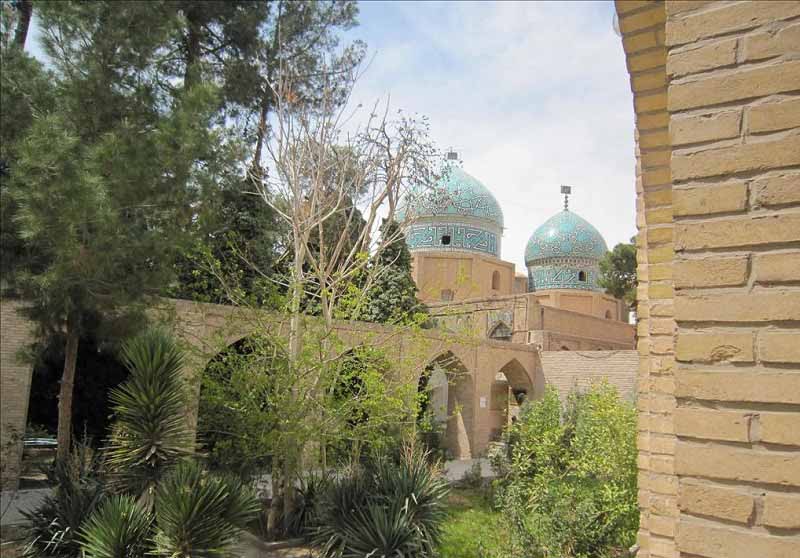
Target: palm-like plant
x: 385, y: 508
x: 54, y: 525
x: 120, y: 527
x: 198, y: 514
x: 150, y: 435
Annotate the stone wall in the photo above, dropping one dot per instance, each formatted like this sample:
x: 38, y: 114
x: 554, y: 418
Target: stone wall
x: 718, y: 209
x: 568, y: 370
x: 15, y: 385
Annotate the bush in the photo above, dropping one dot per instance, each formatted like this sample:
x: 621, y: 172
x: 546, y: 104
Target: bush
x: 383, y: 508
x: 569, y: 484
x: 120, y: 527
x: 54, y: 525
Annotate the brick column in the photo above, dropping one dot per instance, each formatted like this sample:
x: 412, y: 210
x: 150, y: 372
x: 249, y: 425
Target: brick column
x: 15, y: 387
x: 642, y: 27
x: 734, y: 70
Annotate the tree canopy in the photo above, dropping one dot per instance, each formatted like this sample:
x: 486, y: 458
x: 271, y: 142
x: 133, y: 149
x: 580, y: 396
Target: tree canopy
x: 618, y: 273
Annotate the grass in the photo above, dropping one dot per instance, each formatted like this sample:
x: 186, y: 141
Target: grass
x: 474, y: 529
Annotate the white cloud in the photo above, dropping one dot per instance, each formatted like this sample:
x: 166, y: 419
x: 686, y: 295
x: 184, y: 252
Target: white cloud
x: 531, y: 94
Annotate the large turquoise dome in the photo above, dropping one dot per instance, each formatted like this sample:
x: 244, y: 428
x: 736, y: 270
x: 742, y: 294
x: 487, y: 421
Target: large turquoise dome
x: 564, y: 253
x: 456, y: 194
x: 458, y: 213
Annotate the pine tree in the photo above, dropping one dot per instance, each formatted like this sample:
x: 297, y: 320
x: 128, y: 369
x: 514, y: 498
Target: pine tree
x: 392, y: 298
x: 103, y: 179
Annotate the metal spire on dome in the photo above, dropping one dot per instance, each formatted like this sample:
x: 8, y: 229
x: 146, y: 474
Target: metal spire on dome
x: 566, y: 190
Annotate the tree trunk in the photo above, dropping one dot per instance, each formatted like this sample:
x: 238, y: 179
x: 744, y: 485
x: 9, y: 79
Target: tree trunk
x: 25, y: 8
x: 192, y: 46
x: 67, y: 385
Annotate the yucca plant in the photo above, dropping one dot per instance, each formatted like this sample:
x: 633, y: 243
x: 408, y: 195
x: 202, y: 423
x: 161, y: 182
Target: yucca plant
x: 198, y: 514
x: 119, y: 527
x: 54, y: 525
x: 150, y: 435
x: 384, y: 508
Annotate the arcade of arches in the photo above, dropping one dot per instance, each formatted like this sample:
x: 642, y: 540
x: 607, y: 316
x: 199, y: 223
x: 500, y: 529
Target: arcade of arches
x: 715, y: 87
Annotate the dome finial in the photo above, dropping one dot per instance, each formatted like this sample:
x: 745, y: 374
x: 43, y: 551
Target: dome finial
x: 566, y: 190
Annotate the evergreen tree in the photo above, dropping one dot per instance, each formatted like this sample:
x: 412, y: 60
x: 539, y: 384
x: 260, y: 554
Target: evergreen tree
x: 104, y: 178
x: 392, y: 297
x: 618, y: 273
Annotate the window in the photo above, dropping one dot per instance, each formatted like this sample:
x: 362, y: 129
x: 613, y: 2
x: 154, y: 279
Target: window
x: 608, y: 314
x: 496, y: 280
x: 446, y: 240
x: 582, y: 276
x: 447, y: 295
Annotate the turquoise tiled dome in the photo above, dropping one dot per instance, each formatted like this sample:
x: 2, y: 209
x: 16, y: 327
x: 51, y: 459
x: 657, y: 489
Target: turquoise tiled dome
x: 565, y: 234
x: 456, y: 194
x: 458, y: 213
x: 564, y: 253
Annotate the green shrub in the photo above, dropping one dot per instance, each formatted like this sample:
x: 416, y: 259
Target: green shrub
x: 569, y: 480
x: 199, y: 514
x: 383, y: 508
x: 119, y: 527
x: 53, y: 526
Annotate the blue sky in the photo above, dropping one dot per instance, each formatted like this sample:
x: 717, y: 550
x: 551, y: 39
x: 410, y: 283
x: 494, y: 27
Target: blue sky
x: 531, y: 95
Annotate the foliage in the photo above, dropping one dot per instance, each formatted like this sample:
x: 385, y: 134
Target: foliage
x: 237, y: 417
x: 166, y: 505
x: 360, y: 404
x: 569, y: 485
x: 150, y: 434
x: 392, y: 295
x: 54, y: 525
x: 474, y: 529
x: 384, y: 508
x: 104, y: 169
x: 198, y: 514
x: 119, y: 527
x: 618, y: 273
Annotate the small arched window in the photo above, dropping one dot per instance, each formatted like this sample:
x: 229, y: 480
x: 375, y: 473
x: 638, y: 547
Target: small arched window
x: 608, y: 314
x: 447, y: 295
x: 446, y: 240
x: 564, y: 348
x: 582, y: 276
x: 496, y: 280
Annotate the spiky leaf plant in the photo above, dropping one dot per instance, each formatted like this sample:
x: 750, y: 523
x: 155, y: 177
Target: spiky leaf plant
x: 199, y: 514
x: 119, y: 527
x: 53, y: 526
x: 384, y: 508
x: 150, y: 435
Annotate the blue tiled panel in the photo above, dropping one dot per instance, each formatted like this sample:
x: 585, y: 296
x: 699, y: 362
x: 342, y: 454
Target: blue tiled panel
x: 561, y: 277
x: 462, y: 237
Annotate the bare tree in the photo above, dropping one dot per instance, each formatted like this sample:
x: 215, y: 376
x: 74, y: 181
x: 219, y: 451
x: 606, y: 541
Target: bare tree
x: 333, y: 188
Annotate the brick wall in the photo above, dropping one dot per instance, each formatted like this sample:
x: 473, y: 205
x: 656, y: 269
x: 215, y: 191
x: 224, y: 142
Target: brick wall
x: 566, y: 370
x: 718, y: 185
x: 15, y: 385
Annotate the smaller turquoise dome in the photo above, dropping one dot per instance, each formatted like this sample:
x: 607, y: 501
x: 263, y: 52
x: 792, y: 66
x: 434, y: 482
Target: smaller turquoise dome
x: 565, y: 234
x: 456, y: 194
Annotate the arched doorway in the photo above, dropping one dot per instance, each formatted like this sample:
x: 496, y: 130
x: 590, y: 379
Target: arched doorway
x: 511, y: 388
x: 446, y: 404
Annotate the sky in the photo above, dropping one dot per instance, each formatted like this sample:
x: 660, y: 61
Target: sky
x: 531, y: 95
